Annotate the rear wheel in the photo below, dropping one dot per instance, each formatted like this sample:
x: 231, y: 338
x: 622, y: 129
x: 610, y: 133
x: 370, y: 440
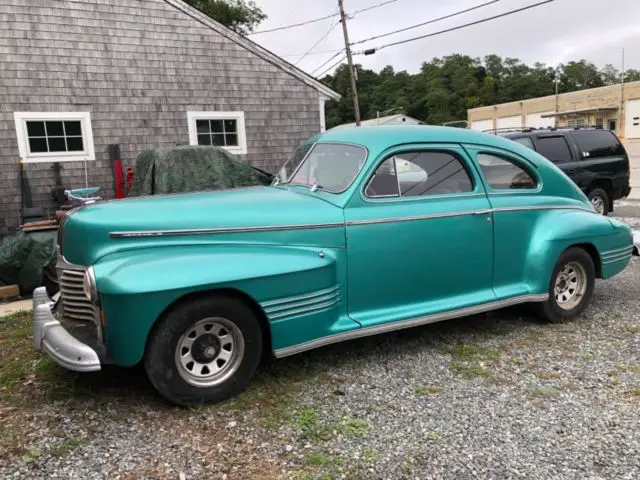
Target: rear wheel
x: 570, y: 287
x: 600, y: 201
x: 204, y: 350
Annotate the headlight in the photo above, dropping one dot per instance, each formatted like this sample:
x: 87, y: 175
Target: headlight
x: 89, y: 285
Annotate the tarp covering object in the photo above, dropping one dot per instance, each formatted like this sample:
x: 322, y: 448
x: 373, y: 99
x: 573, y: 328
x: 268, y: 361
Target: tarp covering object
x: 192, y: 169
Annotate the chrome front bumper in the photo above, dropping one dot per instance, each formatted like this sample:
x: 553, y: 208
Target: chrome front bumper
x: 49, y: 335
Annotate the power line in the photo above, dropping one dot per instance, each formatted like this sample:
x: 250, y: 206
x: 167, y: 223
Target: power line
x: 321, y: 52
x: 330, y: 59
x: 293, y: 25
x: 378, y: 5
x: 455, y: 14
x: 334, y: 25
x: 371, y: 51
x: 319, y: 19
x: 332, y: 66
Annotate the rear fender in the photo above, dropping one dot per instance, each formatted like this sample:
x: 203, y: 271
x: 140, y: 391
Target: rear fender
x: 559, y: 230
x: 136, y: 287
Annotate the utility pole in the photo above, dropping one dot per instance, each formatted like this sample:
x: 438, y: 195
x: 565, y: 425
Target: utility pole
x: 621, y: 118
x: 354, y: 91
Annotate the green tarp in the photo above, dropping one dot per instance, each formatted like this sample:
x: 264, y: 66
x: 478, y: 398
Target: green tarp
x: 190, y: 169
x: 24, y: 257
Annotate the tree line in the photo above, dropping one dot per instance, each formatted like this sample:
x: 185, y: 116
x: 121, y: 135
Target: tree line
x: 446, y: 87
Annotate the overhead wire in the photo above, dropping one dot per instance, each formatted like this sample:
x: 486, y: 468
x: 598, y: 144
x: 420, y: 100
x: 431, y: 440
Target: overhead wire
x: 334, y: 25
x: 330, y: 59
x: 319, y: 19
x: 459, y: 27
x: 451, y: 15
x: 332, y: 66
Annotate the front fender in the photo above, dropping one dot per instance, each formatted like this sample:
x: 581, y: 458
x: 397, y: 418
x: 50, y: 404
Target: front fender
x: 137, y: 286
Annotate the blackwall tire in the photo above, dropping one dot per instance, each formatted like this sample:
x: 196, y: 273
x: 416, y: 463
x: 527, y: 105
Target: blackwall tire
x: 204, y: 350
x: 570, y: 287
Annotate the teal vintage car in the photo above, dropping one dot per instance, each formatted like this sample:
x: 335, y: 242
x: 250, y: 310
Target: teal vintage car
x: 364, y: 231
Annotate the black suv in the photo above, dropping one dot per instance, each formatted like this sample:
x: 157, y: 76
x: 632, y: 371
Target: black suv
x: 592, y: 157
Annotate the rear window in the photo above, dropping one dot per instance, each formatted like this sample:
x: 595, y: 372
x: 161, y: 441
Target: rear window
x: 597, y: 143
x: 555, y: 148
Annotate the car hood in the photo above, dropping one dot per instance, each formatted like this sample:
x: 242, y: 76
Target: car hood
x: 243, y: 215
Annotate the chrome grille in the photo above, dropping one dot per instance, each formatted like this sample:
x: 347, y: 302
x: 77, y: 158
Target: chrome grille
x: 75, y: 306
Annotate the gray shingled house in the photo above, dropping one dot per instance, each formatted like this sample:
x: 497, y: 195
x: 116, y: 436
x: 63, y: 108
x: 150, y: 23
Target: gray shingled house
x: 77, y: 76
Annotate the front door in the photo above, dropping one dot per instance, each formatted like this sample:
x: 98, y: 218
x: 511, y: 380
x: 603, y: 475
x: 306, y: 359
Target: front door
x: 419, y: 237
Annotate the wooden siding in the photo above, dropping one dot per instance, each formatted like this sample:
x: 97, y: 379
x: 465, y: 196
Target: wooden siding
x: 138, y: 67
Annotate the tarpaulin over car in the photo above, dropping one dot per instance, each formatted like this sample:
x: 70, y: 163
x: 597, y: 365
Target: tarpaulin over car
x: 25, y: 256
x: 191, y: 169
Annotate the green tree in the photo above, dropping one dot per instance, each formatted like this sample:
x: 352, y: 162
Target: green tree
x: 243, y: 16
x: 610, y: 74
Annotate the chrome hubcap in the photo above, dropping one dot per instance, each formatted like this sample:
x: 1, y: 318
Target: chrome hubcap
x: 570, y: 286
x: 209, y: 352
x: 598, y: 204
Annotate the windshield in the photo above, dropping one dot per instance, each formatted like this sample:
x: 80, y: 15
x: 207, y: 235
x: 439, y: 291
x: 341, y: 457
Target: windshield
x: 327, y: 166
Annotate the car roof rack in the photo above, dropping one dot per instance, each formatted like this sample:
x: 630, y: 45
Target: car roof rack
x: 496, y: 131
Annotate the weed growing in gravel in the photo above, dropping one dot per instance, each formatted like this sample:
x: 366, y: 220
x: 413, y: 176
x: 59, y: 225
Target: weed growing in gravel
x: 469, y: 360
x: 422, y: 390
x: 635, y: 392
x: 68, y: 445
x: 543, y: 392
x: 434, y: 437
x: 33, y: 454
x: 632, y: 328
x: 312, y: 430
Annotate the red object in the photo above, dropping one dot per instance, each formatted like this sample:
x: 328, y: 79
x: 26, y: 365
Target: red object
x: 129, y: 178
x: 117, y: 166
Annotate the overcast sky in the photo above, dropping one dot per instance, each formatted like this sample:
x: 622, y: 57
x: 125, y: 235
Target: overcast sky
x: 557, y: 32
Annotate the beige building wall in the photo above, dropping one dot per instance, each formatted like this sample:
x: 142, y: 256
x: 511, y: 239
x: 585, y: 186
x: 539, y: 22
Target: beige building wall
x: 588, y: 102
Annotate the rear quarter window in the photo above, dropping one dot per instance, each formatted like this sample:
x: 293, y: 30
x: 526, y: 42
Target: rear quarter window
x: 554, y: 148
x: 597, y: 143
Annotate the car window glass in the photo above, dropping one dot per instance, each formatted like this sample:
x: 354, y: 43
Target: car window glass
x: 416, y: 174
x: 501, y: 174
x: 555, y: 149
x: 526, y: 141
x: 597, y: 143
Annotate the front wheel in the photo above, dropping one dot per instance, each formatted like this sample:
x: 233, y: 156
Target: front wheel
x: 204, y: 350
x: 570, y: 288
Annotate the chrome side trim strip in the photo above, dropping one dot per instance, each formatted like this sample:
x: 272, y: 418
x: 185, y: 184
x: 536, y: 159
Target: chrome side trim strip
x: 465, y: 212
x: 214, y: 231
x: 304, y: 303
x: 413, y: 322
x: 413, y: 218
x: 525, y: 208
x: 617, y: 250
x: 626, y: 256
x: 300, y: 297
x: 304, y: 311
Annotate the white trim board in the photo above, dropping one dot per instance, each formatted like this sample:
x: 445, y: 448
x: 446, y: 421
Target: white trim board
x: 238, y: 116
x: 88, y: 153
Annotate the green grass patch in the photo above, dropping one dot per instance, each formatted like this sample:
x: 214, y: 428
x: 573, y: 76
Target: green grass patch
x: 423, y: 390
x: 434, y: 436
x: 313, y: 430
x: 543, y: 392
x: 67, y: 446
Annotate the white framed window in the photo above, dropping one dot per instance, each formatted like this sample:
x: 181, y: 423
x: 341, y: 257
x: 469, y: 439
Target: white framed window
x: 54, y: 136
x: 222, y: 129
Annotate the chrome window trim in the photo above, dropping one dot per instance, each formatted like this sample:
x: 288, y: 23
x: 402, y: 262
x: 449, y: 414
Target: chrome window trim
x: 412, y: 322
x: 517, y: 162
x: 364, y: 162
x: 475, y: 192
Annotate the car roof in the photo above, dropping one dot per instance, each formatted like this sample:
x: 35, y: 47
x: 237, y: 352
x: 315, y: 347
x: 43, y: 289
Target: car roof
x: 380, y: 137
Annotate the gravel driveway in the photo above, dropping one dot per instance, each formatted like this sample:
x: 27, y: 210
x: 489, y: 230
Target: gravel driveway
x: 493, y: 396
